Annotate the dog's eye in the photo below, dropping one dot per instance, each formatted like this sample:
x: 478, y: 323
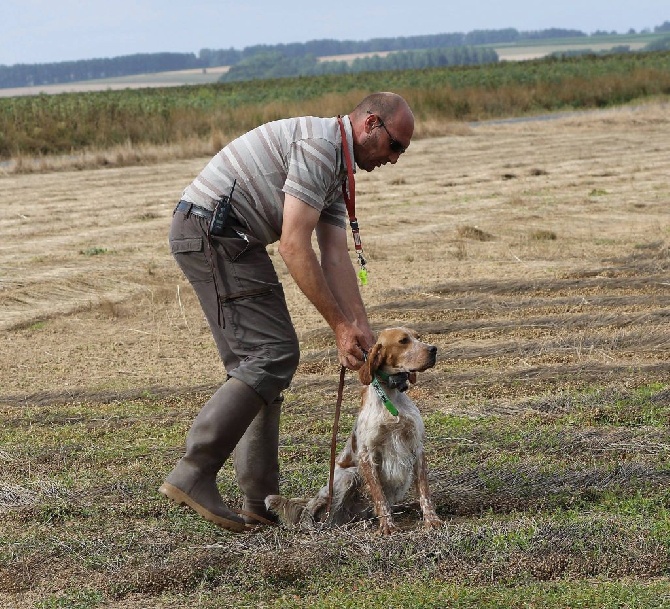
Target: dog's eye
x: 404, y: 340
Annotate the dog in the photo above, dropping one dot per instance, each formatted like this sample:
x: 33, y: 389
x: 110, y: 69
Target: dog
x: 384, y: 453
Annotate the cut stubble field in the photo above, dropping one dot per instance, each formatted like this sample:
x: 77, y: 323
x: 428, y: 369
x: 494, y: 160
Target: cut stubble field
x: 496, y: 241
x: 534, y: 254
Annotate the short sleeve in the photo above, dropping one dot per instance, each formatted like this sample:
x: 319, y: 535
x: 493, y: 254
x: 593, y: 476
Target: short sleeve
x: 312, y: 173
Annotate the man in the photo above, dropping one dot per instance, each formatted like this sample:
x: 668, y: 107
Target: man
x: 284, y: 180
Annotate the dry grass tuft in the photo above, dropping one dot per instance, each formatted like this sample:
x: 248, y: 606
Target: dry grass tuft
x: 430, y: 127
x: 543, y: 235
x: 474, y: 233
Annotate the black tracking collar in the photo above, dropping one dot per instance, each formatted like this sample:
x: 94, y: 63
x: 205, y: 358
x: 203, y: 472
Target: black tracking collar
x: 399, y: 380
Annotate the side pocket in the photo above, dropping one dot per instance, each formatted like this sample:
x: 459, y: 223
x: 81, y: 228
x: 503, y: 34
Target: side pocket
x: 233, y: 244
x: 190, y: 256
x: 246, y: 294
x: 181, y: 246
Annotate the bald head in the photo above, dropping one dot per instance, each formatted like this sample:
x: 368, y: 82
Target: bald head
x: 382, y: 125
x: 390, y: 106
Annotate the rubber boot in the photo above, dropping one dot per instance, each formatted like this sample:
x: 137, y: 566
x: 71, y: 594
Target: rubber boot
x: 256, y: 460
x: 214, y: 433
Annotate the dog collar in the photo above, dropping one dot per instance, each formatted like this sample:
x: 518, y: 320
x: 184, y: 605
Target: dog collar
x: 383, y: 397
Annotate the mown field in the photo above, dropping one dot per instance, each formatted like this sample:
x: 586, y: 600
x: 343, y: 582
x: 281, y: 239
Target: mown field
x: 534, y: 254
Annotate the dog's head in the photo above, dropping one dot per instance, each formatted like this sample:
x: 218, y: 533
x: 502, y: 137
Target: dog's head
x: 398, y: 350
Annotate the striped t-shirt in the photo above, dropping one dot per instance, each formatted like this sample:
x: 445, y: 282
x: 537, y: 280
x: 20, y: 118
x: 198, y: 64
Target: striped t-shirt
x: 302, y: 157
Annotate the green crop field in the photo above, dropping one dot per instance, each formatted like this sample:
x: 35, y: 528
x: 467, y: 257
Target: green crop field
x: 56, y: 124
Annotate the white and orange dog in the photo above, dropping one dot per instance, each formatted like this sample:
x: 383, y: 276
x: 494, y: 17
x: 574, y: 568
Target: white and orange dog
x: 384, y: 454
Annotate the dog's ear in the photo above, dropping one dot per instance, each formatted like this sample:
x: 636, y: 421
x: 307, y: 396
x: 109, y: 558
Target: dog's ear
x: 367, y: 371
x: 412, y: 377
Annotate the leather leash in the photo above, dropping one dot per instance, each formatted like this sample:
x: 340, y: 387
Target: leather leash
x: 333, y: 440
x: 349, y: 194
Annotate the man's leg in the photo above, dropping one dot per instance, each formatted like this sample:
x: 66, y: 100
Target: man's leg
x: 214, y: 433
x: 256, y: 459
x: 259, y: 348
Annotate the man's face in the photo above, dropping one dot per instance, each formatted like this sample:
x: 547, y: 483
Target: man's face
x: 385, y: 141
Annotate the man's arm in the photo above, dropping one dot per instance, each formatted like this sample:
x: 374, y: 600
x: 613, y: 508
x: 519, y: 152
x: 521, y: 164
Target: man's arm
x: 295, y: 247
x: 341, y: 276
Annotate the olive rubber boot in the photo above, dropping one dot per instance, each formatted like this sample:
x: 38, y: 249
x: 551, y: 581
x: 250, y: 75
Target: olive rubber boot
x: 214, y: 433
x: 256, y: 459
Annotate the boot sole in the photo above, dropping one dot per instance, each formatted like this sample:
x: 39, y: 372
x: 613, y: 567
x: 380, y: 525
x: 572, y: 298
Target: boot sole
x: 181, y: 498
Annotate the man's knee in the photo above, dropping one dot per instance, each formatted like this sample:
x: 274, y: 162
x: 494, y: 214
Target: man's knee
x: 271, y: 371
x: 281, y: 364
x: 288, y: 358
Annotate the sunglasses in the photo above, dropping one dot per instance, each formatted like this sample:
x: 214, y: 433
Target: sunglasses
x: 394, y: 144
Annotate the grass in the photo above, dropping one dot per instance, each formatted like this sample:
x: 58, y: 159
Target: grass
x: 474, y: 233
x: 566, y: 505
x: 543, y: 235
x: 94, y: 251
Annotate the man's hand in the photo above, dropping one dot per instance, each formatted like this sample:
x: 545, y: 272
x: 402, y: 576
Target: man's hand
x: 352, y: 345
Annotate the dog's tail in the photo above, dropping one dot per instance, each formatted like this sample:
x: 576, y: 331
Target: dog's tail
x: 289, y: 511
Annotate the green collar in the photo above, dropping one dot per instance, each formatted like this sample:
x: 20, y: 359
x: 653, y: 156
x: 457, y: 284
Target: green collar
x: 382, y: 376
x: 382, y: 395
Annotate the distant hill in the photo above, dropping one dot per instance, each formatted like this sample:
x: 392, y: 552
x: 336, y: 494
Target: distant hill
x: 509, y: 43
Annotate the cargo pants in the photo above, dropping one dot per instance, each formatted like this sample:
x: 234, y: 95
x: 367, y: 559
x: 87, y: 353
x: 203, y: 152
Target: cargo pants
x: 245, y: 307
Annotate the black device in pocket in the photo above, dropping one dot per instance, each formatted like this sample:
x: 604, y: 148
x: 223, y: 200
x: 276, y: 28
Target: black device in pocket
x: 221, y: 212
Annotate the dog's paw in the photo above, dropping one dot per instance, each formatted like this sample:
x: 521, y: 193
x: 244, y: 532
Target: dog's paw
x: 289, y: 511
x: 432, y: 522
x: 387, y: 527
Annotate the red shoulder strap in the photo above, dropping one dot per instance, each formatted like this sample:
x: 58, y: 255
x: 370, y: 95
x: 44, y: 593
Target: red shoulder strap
x: 349, y: 194
x: 349, y: 197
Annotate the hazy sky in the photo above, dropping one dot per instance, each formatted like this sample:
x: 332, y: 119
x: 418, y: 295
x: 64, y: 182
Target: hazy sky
x: 43, y: 31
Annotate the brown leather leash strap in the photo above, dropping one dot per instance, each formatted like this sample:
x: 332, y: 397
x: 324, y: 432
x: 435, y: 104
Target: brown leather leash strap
x: 333, y: 441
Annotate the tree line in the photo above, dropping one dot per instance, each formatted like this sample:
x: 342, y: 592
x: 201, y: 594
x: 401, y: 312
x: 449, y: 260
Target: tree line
x: 23, y: 75
x: 26, y: 75
x: 328, y: 47
x: 273, y: 64
x: 660, y: 44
